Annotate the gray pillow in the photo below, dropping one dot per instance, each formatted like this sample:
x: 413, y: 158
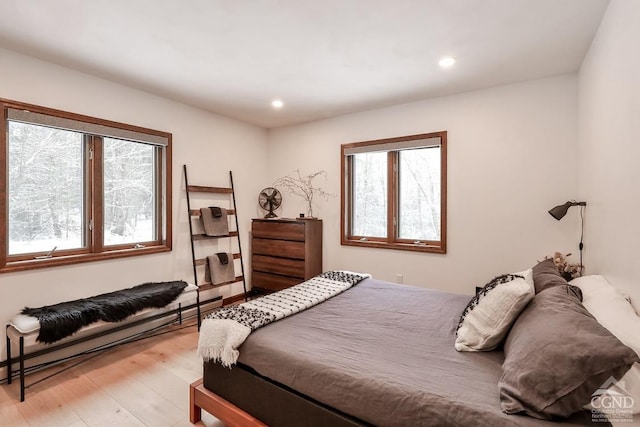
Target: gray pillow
x: 546, y: 275
x: 556, y: 356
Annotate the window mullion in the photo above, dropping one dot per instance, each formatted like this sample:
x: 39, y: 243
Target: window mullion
x: 88, y: 193
x: 97, y: 196
x: 392, y: 183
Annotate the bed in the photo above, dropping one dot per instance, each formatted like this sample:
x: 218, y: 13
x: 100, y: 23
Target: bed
x: 376, y: 354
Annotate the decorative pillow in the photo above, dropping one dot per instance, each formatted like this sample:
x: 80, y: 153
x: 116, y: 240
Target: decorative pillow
x: 556, y: 356
x: 546, y: 275
x: 612, y: 310
x: 487, y: 318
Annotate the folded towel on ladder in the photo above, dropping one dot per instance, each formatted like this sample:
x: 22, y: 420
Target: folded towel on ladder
x: 215, y: 221
x: 218, y: 271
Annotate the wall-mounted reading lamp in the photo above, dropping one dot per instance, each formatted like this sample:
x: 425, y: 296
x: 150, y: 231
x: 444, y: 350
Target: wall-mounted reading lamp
x: 561, y: 210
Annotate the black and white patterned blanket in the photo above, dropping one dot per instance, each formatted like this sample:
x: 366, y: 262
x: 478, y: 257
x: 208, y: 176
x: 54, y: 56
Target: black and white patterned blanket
x: 224, y: 330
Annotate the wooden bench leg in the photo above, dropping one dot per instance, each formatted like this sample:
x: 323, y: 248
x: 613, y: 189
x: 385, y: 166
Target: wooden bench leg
x: 195, y: 412
x: 21, y: 369
x: 9, y: 368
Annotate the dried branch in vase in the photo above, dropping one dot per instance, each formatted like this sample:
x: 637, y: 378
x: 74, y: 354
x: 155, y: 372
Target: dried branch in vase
x: 302, y: 186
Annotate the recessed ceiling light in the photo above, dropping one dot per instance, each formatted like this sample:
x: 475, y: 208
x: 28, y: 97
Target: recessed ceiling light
x: 447, y: 62
x: 276, y: 103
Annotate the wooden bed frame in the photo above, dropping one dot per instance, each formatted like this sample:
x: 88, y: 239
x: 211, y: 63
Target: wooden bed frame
x: 200, y: 398
x: 242, y: 397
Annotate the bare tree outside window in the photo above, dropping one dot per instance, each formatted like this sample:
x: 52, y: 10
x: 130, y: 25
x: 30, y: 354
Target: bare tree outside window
x: 370, y: 194
x: 45, y: 189
x: 128, y: 192
x: 419, y: 202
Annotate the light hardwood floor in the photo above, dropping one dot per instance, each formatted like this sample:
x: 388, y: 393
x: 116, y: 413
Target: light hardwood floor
x: 145, y: 383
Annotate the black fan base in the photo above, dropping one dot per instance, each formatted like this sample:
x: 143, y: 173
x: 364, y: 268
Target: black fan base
x: 271, y: 215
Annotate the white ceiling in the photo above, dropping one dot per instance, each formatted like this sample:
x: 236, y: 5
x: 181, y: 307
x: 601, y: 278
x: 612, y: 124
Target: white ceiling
x: 321, y: 57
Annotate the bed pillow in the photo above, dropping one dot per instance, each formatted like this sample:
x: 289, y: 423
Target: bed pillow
x: 485, y: 321
x: 612, y: 310
x: 546, y: 275
x: 556, y: 356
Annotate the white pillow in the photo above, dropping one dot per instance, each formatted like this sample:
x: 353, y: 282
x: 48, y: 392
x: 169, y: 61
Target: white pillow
x: 612, y: 310
x: 489, y: 315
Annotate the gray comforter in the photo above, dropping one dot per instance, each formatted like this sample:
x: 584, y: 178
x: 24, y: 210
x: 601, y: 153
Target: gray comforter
x: 384, y: 353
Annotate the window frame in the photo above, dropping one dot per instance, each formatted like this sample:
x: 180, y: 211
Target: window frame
x: 392, y: 240
x: 94, y: 250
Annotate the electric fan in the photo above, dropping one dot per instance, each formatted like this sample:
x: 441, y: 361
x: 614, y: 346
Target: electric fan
x: 270, y: 199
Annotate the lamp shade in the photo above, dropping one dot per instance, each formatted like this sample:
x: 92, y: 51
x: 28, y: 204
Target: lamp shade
x: 561, y: 210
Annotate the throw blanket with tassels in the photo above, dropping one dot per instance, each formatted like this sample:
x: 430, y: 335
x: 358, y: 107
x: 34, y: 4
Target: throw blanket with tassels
x: 224, y: 330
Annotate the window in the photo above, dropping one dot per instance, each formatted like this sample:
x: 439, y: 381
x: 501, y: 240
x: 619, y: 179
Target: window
x: 394, y: 193
x: 78, y: 188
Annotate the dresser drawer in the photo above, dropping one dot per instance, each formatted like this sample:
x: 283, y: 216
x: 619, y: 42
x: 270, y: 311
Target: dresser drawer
x: 279, y: 248
x: 272, y: 282
x: 278, y: 230
x: 284, y: 266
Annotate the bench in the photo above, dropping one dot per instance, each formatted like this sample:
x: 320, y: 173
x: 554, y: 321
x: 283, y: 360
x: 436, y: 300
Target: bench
x: 22, y: 332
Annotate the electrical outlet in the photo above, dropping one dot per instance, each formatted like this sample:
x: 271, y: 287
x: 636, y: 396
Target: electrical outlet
x: 399, y: 278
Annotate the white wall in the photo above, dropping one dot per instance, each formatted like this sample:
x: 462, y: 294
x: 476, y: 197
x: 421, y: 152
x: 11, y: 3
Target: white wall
x: 609, y: 129
x: 511, y: 157
x: 209, y: 144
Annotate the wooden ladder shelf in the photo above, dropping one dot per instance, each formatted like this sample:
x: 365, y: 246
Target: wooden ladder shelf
x: 194, y: 214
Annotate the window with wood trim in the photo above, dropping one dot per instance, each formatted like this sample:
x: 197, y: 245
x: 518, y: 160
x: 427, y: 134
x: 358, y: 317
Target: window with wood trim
x: 394, y: 193
x: 79, y: 189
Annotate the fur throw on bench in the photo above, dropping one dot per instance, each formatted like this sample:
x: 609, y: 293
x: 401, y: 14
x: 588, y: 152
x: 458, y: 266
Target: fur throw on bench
x: 61, y: 320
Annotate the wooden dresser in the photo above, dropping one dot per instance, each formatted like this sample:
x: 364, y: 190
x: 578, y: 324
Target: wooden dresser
x: 285, y: 252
